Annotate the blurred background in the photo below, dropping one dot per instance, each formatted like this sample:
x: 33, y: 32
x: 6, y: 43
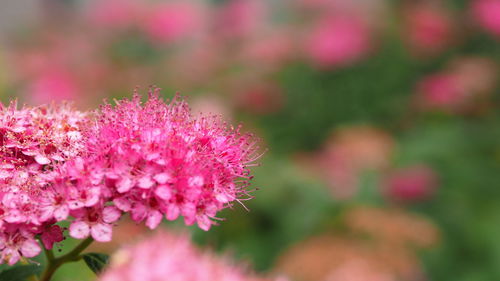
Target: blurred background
x: 381, y: 119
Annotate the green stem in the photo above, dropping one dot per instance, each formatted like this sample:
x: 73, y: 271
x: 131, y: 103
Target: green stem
x: 54, y: 263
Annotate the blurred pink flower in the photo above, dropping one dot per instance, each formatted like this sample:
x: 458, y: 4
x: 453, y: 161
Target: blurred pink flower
x: 52, y: 85
x: 240, y: 18
x: 487, y: 15
x: 349, y: 153
x: 174, y: 257
x: 410, y: 184
x: 441, y: 90
x: 268, y: 51
x: 476, y: 75
x: 338, y: 41
x: 261, y: 98
x: 171, y: 21
x: 460, y: 87
x: 429, y: 28
x: 113, y: 14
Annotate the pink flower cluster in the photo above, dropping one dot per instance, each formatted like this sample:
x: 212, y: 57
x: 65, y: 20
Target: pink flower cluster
x: 460, y: 87
x: 338, y: 41
x: 150, y: 160
x: 487, y: 15
x: 33, y: 142
x: 157, y: 257
x: 429, y: 28
x: 412, y: 184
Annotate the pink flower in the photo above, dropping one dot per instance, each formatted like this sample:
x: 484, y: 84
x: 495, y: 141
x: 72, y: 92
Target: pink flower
x: 17, y: 241
x: 260, y: 99
x: 173, y: 256
x: 158, y: 161
x: 462, y: 86
x: 487, y: 15
x: 268, y: 51
x: 53, y: 234
x: 441, y: 90
x: 33, y: 142
x: 338, y: 41
x: 52, y: 86
x: 240, y: 18
x: 414, y: 183
x: 152, y: 160
x: 429, y: 28
x: 172, y: 21
x: 350, y: 152
x: 96, y: 222
x: 113, y: 14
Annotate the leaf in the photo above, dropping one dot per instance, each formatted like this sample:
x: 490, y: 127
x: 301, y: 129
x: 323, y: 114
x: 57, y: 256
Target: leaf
x: 95, y: 261
x: 20, y: 272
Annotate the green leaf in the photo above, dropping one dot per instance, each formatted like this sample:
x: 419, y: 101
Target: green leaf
x: 95, y: 261
x: 20, y: 272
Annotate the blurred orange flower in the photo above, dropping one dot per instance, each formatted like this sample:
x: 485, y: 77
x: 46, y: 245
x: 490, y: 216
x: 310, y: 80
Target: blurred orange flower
x: 378, y: 245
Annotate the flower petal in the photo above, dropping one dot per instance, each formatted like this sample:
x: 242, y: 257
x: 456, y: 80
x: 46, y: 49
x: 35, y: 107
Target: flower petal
x: 124, y: 184
x: 30, y: 248
x: 61, y: 213
x: 42, y: 160
x: 122, y: 204
x: 101, y: 232
x: 79, y: 230
x: 162, y: 178
x: 204, y: 222
x: 146, y: 182
x: 153, y: 219
x: 111, y: 214
x: 173, y: 212
x: 164, y: 192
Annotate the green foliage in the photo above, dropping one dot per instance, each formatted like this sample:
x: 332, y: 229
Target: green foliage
x: 376, y: 91
x: 96, y: 261
x: 19, y: 272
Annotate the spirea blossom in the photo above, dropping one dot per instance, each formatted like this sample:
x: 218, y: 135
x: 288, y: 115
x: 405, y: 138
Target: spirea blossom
x: 33, y: 142
x: 173, y: 256
x: 338, y: 41
x: 411, y: 184
x: 429, y: 28
x: 174, y: 20
x: 151, y: 160
x: 156, y: 160
x: 487, y: 15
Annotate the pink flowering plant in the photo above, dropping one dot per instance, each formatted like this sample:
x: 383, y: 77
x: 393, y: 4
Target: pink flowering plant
x: 88, y: 169
x: 158, y: 256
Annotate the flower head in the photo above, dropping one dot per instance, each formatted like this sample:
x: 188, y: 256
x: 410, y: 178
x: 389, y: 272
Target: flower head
x: 173, y: 21
x: 429, y: 28
x: 487, y: 15
x: 338, y: 41
x: 33, y: 142
x: 410, y: 184
x: 159, y: 256
x: 157, y: 160
x: 150, y: 160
